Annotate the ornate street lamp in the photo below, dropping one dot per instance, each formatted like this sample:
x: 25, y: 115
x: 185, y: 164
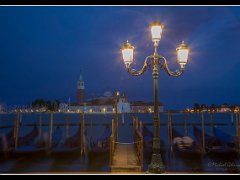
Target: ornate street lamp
x: 154, y: 62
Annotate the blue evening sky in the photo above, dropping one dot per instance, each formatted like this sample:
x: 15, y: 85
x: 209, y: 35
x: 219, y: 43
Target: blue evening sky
x: 43, y: 49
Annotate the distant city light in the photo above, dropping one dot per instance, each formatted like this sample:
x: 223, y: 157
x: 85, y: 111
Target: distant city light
x: 104, y: 109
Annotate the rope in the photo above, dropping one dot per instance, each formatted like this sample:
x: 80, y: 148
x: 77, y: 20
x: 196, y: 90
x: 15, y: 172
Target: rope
x: 127, y: 143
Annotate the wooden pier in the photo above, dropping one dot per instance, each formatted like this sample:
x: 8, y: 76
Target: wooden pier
x: 126, y: 157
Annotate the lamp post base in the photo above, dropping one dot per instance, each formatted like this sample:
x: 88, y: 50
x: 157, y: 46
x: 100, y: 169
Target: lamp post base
x: 156, y: 165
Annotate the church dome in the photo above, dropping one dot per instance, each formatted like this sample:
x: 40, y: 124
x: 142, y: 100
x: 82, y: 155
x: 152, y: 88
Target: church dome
x: 108, y: 94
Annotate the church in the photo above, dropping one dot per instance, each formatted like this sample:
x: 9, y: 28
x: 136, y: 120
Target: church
x: 105, y: 103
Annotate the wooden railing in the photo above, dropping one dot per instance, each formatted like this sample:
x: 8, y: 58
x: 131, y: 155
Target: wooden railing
x: 138, y: 140
x: 113, y: 139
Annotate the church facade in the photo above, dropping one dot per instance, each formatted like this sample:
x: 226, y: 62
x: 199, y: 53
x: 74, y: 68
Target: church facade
x: 106, y: 103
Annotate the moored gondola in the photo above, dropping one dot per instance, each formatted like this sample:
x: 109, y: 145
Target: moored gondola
x: 25, y: 141
x: 229, y: 142
x: 102, y: 144
x: 71, y: 146
x: 6, y: 140
x: 36, y: 144
x: 185, y: 146
x: 216, y: 145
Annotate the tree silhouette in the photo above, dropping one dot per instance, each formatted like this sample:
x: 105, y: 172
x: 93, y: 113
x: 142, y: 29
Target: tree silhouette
x: 196, y: 107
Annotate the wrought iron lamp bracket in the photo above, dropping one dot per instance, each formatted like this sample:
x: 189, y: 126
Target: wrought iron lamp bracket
x: 146, y: 66
x: 164, y: 66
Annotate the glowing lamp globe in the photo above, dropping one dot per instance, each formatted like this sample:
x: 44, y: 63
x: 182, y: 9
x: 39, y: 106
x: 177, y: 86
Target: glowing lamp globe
x: 156, y: 31
x: 182, y: 54
x: 127, y: 53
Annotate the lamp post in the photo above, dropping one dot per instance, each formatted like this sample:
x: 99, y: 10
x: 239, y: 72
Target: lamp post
x: 154, y: 62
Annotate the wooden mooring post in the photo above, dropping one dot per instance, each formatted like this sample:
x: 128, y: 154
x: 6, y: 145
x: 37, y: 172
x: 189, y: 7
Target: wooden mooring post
x: 211, y: 122
x: 170, y: 129
x: 83, y: 142
x: 0, y: 118
x: 17, y: 129
x: 113, y: 128
x: 133, y: 121
x: 185, y: 123
x: 203, y: 132
x: 237, y: 131
x: 136, y: 123
x: 237, y: 124
x: 91, y: 140
x: 67, y: 127
x: 20, y: 118
x: 81, y: 138
x: 123, y: 119
x: 139, y: 143
x: 51, y: 129
x: 112, y: 143
x: 40, y: 124
x: 170, y: 150
x: 141, y: 126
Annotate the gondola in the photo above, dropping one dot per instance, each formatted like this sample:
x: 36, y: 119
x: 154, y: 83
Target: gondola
x: 185, y: 146
x: 28, y: 138
x: 215, y: 145
x: 225, y: 138
x: 230, y: 142
x: 22, y: 141
x: 36, y: 144
x: 5, y: 140
x: 102, y: 144
x: 70, y: 147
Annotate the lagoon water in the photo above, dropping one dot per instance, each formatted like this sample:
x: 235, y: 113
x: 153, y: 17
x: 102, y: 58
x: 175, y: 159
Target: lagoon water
x: 78, y: 163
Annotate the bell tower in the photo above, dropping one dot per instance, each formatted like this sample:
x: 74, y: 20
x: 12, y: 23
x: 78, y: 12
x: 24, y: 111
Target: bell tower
x: 80, y: 90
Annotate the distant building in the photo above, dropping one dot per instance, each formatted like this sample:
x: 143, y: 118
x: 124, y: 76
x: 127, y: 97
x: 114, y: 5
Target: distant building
x: 223, y: 108
x: 80, y: 90
x: 102, y: 104
x: 145, y: 107
x: 124, y: 105
x: 217, y: 108
x: 228, y: 108
x: 63, y: 107
x: 106, y: 103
